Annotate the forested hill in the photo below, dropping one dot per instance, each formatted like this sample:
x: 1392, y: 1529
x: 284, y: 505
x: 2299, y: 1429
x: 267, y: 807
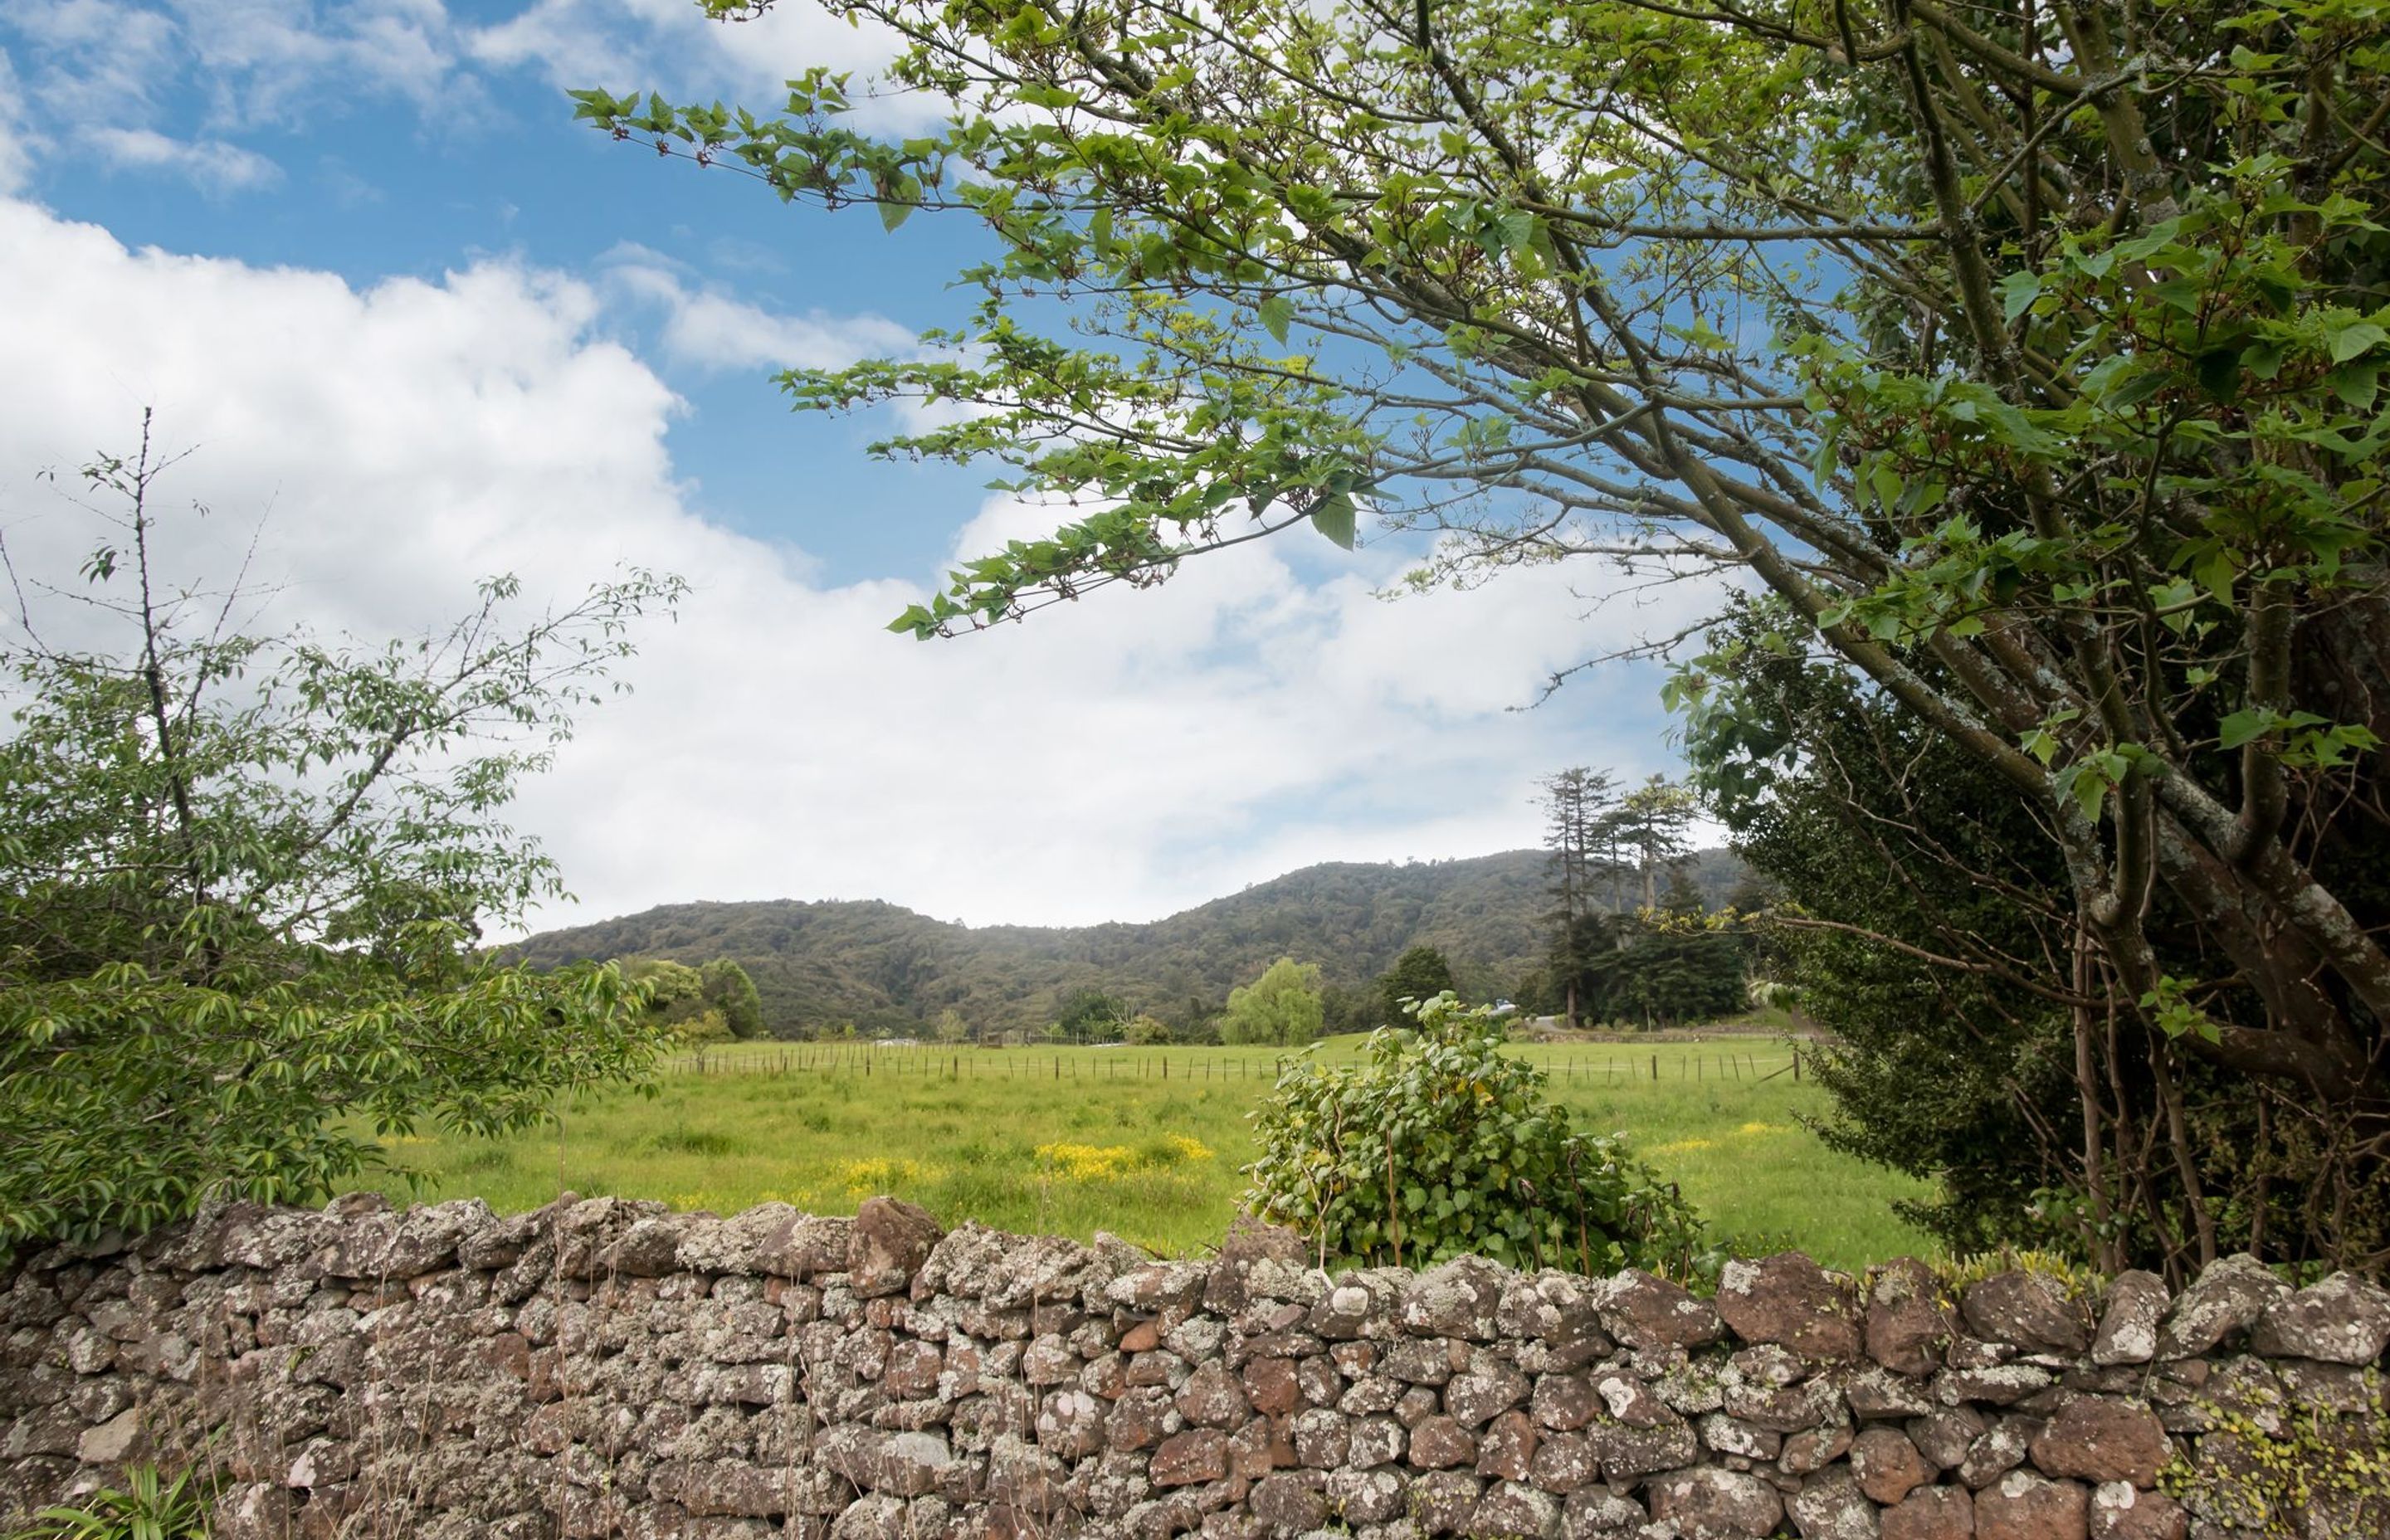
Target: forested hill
x: 887, y: 969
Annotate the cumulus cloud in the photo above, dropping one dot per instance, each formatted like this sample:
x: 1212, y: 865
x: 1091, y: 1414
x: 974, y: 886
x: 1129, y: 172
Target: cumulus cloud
x: 1120, y: 757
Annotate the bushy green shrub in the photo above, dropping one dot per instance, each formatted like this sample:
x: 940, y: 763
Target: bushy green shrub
x: 244, y: 879
x: 1438, y: 1144
x: 147, y: 1509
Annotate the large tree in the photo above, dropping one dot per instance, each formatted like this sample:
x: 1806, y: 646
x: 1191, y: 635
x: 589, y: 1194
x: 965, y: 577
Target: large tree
x: 1421, y: 973
x: 242, y: 877
x: 1282, y: 1005
x: 1580, y: 820
x: 2028, y: 355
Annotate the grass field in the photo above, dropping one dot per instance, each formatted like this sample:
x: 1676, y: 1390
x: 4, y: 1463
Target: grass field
x: 1145, y: 1143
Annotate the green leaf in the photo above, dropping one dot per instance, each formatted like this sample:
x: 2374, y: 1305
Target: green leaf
x: 2018, y: 291
x: 2216, y: 572
x: 2356, y: 384
x: 1333, y: 516
x: 2219, y: 372
x: 1277, y: 313
x: 2349, y: 340
x: 2243, y: 727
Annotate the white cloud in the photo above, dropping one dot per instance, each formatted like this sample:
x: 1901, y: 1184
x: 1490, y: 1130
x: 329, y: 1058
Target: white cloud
x: 671, y: 46
x: 271, y: 61
x: 213, y: 164
x: 106, y: 73
x: 1117, y: 758
x: 707, y: 329
x: 94, y: 61
x: 128, y: 70
x: 17, y: 138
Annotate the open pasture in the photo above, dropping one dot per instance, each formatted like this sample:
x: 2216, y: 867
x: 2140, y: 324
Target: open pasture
x: 1143, y: 1142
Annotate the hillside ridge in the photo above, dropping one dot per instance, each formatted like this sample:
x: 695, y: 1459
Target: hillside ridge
x: 822, y: 963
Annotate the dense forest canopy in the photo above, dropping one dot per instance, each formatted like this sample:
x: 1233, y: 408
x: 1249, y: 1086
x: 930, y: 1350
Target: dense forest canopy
x: 887, y: 969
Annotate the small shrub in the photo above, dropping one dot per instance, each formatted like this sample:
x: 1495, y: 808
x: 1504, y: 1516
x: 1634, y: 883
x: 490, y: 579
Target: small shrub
x: 2280, y: 1469
x: 1438, y: 1144
x: 146, y: 1509
x: 692, y: 1141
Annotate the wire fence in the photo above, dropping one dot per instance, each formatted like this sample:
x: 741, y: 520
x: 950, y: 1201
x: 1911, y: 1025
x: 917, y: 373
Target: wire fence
x: 937, y: 1061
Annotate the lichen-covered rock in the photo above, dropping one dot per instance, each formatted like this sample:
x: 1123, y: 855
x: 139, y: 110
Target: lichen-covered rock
x: 1462, y: 1299
x: 1906, y: 1318
x: 1368, y: 1497
x: 1250, y: 1242
x: 1516, y: 1511
x: 2022, y: 1506
x: 1785, y: 1408
x: 1813, y: 1450
x: 605, y: 1367
x: 2227, y: 1298
x: 1598, y: 1514
x: 2000, y: 1385
x: 1718, y: 1505
x: 1506, y: 1447
x: 650, y: 1248
x: 399, y: 1247
x: 1931, y: 1513
x: 1729, y: 1436
x: 1290, y: 1502
x: 1423, y: 1360
x: 1642, y: 1311
x: 1790, y: 1300
x: 1488, y: 1386
x: 1874, y: 1392
x: 802, y: 1246
x: 736, y: 1244
x: 1349, y: 1306
x: 1556, y: 1311
x: 2001, y: 1449
x: 1945, y: 1436
x: 890, y: 1241
x: 1197, y: 1455
x: 2339, y: 1320
x: 2097, y: 1438
x: 2129, y: 1328
x: 2121, y: 1511
x: 1832, y: 1507
x: 1563, y: 1401
x: 1627, y: 1452
x: 1440, y: 1443
x: 1442, y: 1501
x: 1886, y: 1464
x: 2032, y: 1310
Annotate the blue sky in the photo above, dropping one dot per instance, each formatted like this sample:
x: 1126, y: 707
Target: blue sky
x: 407, y: 311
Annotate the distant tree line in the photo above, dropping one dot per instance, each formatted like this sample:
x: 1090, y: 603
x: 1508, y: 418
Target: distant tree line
x: 714, y: 1003
x: 1631, y: 940
x: 819, y: 969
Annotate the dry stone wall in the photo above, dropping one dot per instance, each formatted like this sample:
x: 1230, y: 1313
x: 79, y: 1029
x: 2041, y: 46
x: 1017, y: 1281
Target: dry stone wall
x: 607, y: 1367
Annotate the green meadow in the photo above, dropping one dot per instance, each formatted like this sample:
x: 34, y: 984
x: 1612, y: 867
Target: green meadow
x: 1145, y: 1143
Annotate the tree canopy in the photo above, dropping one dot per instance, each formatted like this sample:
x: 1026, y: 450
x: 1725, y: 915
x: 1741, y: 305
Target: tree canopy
x: 2028, y: 355
x: 242, y: 877
x: 1282, y: 1005
x: 1421, y: 973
